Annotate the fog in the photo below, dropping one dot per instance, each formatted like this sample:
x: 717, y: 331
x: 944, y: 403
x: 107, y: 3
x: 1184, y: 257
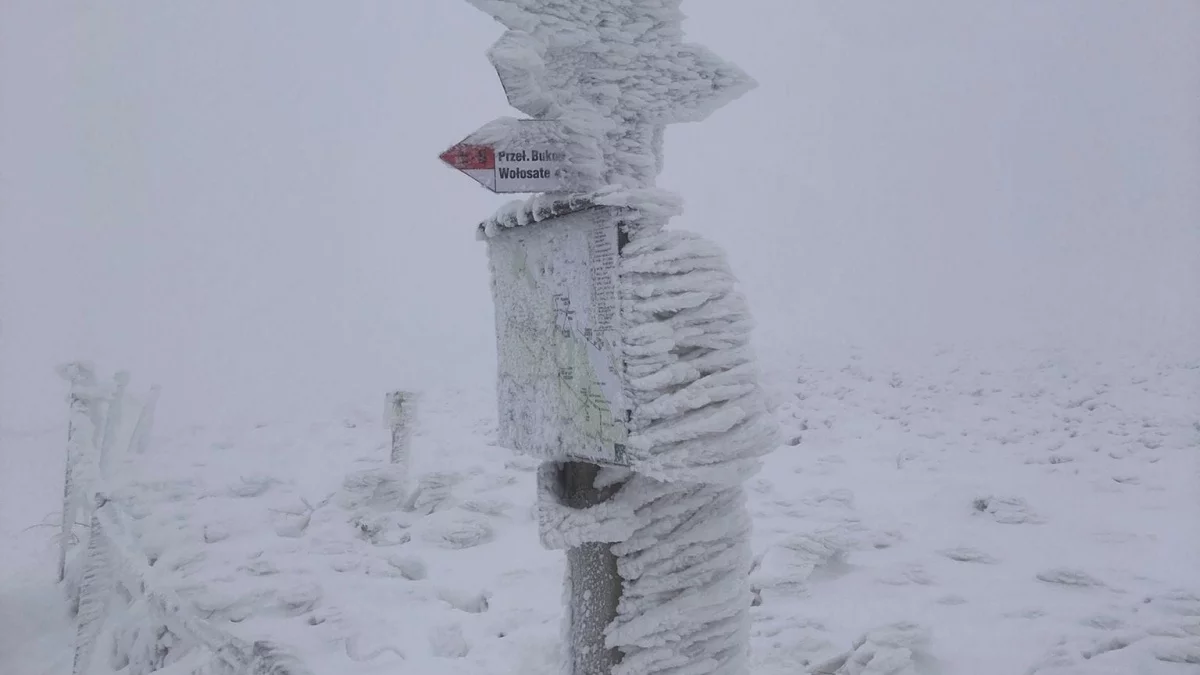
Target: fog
x: 243, y: 201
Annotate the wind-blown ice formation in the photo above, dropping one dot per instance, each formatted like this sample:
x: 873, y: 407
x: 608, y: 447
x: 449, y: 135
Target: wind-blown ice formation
x: 614, y: 73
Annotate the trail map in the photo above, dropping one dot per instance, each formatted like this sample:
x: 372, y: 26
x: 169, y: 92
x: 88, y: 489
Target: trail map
x: 560, y: 389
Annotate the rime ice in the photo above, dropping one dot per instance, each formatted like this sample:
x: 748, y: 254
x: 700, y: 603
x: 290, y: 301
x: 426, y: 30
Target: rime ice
x: 613, y: 74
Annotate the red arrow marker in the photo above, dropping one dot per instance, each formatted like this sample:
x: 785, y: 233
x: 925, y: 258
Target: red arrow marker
x: 466, y: 157
x: 510, y: 156
x: 477, y: 161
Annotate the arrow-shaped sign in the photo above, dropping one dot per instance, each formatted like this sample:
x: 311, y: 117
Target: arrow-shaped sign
x: 614, y: 73
x: 510, y: 155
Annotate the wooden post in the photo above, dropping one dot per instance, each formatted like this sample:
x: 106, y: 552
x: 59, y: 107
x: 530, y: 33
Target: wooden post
x: 81, y: 376
x: 95, y: 591
x: 401, y: 413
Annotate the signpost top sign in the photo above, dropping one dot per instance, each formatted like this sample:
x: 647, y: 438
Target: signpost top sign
x: 535, y: 168
x: 608, y: 75
x: 613, y: 73
x: 512, y: 156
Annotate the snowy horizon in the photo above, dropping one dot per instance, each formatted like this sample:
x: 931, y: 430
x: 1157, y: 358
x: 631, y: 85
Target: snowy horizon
x: 247, y: 206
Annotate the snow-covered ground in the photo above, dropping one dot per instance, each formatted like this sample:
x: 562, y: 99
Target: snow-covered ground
x: 993, y: 513
x: 1030, y: 512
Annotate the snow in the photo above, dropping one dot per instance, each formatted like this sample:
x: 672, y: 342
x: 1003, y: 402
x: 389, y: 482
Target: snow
x: 988, y: 511
x: 699, y: 415
x: 1016, y: 511
x: 697, y: 425
x: 978, y: 497
x: 685, y: 602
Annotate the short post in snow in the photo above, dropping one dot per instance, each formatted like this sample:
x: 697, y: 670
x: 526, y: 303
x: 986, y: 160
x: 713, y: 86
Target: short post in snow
x: 400, y: 414
x: 600, y: 80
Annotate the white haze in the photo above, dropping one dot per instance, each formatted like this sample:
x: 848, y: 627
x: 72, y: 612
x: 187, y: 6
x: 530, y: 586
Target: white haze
x: 243, y: 201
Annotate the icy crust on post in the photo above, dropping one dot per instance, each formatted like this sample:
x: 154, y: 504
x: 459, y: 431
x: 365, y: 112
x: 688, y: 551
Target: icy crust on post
x: 699, y: 424
x: 699, y: 414
x: 685, y: 607
x: 613, y: 73
x: 641, y: 207
x: 684, y: 558
x: 82, y: 475
x: 562, y: 527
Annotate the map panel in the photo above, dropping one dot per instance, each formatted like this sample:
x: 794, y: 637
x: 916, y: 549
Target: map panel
x: 559, y: 383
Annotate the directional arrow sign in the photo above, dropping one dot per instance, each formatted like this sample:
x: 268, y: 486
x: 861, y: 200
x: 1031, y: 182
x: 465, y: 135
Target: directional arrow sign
x: 509, y: 155
x: 614, y: 73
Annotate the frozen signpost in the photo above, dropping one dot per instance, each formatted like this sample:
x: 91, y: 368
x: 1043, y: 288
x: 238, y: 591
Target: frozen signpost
x: 623, y: 347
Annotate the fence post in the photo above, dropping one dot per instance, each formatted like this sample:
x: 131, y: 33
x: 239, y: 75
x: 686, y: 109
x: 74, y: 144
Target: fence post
x: 400, y: 414
x: 82, y: 376
x: 95, y: 590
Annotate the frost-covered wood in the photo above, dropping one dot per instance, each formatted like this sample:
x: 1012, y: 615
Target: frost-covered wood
x: 699, y: 415
x: 96, y: 437
x: 686, y: 600
x: 95, y: 593
x: 123, y: 613
x: 686, y: 345
x: 82, y: 436
x: 698, y: 426
x: 564, y: 524
x: 613, y: 74
x: 401, y: 416
x: 115, y: 560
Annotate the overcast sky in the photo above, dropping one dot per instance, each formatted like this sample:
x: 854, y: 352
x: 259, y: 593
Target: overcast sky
x: 243, y: 201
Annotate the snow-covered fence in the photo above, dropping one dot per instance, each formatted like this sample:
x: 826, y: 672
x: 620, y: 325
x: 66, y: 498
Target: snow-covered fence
x: 123, y: 612
x: 104, y: 420
x: 117, y: 573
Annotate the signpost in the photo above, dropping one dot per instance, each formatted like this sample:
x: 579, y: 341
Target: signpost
x: 513, y: 156
x: 600, y: 79
x: 560, y: 387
